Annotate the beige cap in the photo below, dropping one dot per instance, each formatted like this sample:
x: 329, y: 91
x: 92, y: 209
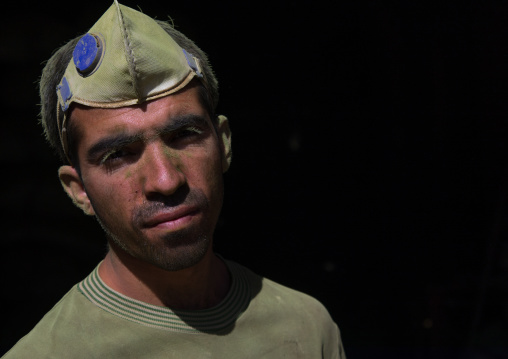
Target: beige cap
x: 126, y: 58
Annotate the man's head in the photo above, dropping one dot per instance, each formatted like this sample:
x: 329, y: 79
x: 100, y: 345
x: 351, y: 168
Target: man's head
x: 146, y: 151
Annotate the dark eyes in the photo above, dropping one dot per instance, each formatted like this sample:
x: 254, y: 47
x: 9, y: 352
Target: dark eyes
x: 186, y: 133
x: 176, y: 139
x: 114, y: 155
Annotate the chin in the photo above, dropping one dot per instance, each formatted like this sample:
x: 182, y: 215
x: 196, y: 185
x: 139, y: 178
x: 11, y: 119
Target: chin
x: 172, y: 251
x: 182, y: 256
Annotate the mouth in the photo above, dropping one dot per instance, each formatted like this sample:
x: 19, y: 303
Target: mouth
x: 172, y: 219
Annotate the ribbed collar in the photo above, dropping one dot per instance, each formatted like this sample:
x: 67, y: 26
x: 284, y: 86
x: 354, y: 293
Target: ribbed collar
x: 211, y: 320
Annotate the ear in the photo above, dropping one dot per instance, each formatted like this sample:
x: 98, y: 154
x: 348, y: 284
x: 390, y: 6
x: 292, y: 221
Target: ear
x: 74, y: 187
x: 225, y: 141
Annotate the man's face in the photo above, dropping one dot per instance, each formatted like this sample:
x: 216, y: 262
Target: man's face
x: 153, y: 176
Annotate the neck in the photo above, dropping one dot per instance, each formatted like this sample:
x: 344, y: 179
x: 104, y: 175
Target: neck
x: 199, y: 287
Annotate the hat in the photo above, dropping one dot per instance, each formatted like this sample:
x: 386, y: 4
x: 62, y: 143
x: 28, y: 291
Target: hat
x: 126, y: 58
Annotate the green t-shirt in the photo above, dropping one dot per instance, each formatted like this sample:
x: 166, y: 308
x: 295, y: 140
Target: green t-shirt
x: 258, y: 319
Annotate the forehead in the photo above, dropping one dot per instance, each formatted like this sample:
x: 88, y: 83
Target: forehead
x: 90, y: 121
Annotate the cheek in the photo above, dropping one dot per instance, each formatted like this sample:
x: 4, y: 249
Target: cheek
x: 112, y: 197
x: 204, y: 172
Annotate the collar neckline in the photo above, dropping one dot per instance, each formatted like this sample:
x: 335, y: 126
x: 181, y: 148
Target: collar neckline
x: 211, y: 320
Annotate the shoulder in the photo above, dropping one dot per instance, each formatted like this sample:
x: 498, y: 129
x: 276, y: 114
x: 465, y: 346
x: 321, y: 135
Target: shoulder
x: 287, y: 315
x: 270, y: 293
x: 56, y: 331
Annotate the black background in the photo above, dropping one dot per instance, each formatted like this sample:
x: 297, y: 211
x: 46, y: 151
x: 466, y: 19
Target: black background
x: 369, y: 164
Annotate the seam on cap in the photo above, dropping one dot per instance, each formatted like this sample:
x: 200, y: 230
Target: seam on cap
x: 129, y: 54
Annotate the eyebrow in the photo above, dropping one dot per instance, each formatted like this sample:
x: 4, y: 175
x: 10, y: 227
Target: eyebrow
x: 124, y: 139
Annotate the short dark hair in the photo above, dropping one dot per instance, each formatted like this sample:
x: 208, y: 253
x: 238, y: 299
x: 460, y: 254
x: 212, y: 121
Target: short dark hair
x: 55, y: 68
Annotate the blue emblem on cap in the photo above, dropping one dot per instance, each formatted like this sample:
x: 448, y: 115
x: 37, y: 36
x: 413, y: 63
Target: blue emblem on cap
x: 87, y: 54
x: 65, y: 92
x: 192, y: 63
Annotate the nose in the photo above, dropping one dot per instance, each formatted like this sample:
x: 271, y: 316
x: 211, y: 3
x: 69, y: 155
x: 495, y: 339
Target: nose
x: 162, y: 171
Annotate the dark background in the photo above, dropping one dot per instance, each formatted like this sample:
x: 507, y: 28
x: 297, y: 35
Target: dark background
x: 369, y: 164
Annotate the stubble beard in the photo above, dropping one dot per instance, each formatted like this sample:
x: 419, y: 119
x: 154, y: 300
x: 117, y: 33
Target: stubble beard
x: 172, y: 251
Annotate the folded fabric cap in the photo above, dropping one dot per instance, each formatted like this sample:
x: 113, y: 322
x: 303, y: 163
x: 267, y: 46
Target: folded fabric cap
x: 126, y: 58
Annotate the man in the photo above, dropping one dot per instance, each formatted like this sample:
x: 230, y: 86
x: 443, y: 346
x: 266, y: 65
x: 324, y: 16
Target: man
x: 133, y: 115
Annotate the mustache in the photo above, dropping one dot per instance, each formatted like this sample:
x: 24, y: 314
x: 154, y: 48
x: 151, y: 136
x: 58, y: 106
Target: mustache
x: 184, y: 197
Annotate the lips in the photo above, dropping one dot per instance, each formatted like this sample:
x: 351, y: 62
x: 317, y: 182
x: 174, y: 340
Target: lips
x: 171, y: 217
